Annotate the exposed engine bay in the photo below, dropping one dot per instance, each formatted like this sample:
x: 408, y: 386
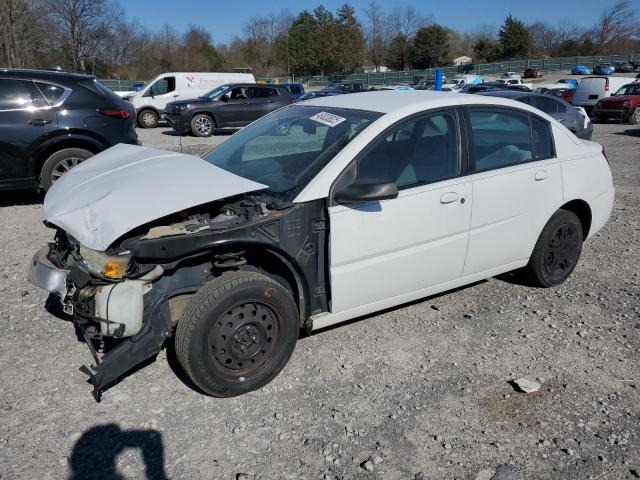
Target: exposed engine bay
x: 126, y: 321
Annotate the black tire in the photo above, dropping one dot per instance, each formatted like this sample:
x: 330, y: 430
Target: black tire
x: 60, y: 163
x: 148, y: 118
x: 634, y: 118
x: 557, y: 250
x: 237, y: 333
x: 202, y: 125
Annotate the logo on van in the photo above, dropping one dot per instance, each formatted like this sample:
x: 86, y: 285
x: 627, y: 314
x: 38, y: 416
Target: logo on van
x: 190, y: 81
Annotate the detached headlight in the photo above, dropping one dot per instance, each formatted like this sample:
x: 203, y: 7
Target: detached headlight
x: 103, y: 264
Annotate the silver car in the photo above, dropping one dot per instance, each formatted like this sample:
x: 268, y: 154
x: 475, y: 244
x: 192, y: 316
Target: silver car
x: 574, y: 118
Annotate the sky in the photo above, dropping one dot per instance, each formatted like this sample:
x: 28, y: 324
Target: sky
x: 224, y: 19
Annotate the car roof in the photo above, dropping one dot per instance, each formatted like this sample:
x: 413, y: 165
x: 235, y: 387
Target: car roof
x: 507, y: 93
x: 49, y: 74
x: 405, y: 101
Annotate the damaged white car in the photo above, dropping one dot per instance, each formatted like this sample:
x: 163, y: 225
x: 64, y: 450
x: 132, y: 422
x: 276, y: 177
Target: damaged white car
x: 315, y: 214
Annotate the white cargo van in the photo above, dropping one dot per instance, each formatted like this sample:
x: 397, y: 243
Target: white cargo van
x: 167, y: 87
x: 592, y: 89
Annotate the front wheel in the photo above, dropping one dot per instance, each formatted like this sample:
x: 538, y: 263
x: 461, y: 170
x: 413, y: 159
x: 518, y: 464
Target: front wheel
x: 237, y: 333
x: 557, y: 250
x: 148, y: 119
x: 202, y: 125
x: 60, y: 163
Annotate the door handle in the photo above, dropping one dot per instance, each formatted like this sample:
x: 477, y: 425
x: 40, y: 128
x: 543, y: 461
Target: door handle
x: 39, y: 122
x: 449, y: 197
x: 541, y: 175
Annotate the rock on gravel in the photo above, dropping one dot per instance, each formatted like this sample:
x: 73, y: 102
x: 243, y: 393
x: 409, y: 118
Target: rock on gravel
x: 526, y: 386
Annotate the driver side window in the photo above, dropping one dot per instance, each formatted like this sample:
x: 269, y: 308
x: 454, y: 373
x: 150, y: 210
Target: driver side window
x: 423, y: 150
x: 237, y: 93
x: 162, y: 86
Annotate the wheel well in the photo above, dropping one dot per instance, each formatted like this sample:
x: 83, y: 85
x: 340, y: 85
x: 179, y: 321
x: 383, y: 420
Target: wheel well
x: 208, y: 114
x: 582, y: 211
x: 70, y: 143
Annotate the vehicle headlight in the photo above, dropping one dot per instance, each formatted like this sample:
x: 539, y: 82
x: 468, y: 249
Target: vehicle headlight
x: 625, y: 104
x: 104, y: 264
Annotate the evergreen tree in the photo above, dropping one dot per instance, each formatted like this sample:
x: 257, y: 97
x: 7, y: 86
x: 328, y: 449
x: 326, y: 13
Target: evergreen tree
x: 351, y: 41
x: 515, y: 40
x: 430, y: 47
x: 396, y: 56
x: 302, y: 48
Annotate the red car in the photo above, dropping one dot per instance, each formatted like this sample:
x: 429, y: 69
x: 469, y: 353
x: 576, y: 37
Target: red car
x: 623, y: 105
x: 533, y: 73
x: 567, y: 95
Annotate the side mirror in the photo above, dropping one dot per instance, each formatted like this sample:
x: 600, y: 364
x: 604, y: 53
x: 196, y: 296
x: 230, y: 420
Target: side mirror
x: 366, y: 191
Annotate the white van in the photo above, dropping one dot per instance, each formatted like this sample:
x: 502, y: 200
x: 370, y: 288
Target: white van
x: 592, y: 89
x: 167, y: 87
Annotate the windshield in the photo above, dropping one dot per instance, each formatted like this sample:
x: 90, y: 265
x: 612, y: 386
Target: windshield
x: 629, y: 90
x: 287, y: 148
x: 216, y: 92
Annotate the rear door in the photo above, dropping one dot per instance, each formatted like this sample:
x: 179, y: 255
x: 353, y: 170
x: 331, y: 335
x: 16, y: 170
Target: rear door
x: 516, y: 186
x: 260, y: 103
x: 589, y: 91
x: 26, y: 120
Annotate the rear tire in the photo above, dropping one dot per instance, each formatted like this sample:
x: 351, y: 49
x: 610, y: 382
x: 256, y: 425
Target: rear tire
x: 147, y: 119
x: 634, y: 118
x: 60, y: 163
x: 202, y: 125
x: 237, y: 333
x: 557, y: 250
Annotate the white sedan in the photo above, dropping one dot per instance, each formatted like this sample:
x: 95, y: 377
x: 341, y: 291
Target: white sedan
x: 315, y: 214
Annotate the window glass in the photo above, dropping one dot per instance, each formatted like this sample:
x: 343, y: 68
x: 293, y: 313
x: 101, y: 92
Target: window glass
x: 295, y: 89
x: 237, y: 93
x: 542, y: 143
x: 164, y: 85
x: 260, y: 92
x: 51, y: 92
x: 15, y: 94
x: 526, y: 100
x: 500, y: 137
x: 419, y: 151
x: 274, y: 92
x: 549, y: 105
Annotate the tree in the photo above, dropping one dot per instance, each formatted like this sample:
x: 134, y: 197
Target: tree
x: 197, y: 52
x: 430, y: 47
x: 376, y: 33
x: 485, y: 50
x: 351, y: 42
x: 404, y: 22
x: 302, y: 49
x: 515, y: 41
x: 617, y: 24
x: 266, y: 42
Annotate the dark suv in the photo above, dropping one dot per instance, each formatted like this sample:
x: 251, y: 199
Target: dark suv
x: 51, y: 121
x: 233, y: 105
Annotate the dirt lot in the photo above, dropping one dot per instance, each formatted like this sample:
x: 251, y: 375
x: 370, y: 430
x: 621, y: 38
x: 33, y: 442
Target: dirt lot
x: 421, y: 391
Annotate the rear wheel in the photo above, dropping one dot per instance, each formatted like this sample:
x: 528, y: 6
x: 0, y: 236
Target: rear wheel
x: 148, y: 119
x: 634, y: 118
x: 60, y: 163
x: 202, y: 125
x: 237, y: 333
x: 557, y: 250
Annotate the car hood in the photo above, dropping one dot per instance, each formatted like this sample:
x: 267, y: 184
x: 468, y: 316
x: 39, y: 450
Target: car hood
x: 127, y: 186
x: 619, y: 98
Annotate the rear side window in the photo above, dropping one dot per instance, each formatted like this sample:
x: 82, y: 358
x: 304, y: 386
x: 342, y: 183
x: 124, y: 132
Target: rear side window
x: 260, y: 92
x: 20, y: 94
x: 541, y: 135
x: 549, y: 105
x: 51, y: 92
x: 295, y: 89
x: 274, y: 92
x: 499, y: 138
x: 98, y: 88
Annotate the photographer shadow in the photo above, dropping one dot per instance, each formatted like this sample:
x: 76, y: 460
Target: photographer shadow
x: 94, y: 454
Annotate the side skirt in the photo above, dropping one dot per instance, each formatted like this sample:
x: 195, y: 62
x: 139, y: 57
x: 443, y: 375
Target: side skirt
x: 327, y: 319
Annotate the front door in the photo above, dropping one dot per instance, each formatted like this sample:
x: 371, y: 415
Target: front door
x: 161, y: 92
x: 516, y: 186
x: 393, y: 249
x: 26, y: 120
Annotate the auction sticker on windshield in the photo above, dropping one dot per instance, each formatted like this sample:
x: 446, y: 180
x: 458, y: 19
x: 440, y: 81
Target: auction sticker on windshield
x: 328, y: 119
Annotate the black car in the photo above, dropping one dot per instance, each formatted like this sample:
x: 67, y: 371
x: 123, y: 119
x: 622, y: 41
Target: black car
x: 347, y: 87
x: 233, y: 105
x: 50, y: 121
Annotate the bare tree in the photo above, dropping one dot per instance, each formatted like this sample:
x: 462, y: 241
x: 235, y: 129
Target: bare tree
x: 377, y: 33
x: 266, y: 38
x: 616, y: 23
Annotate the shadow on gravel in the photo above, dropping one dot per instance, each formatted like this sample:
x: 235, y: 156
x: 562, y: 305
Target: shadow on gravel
x: 94, y: 454
x: 631, y: 132
x: 516, y: 277
x: 20, y: 197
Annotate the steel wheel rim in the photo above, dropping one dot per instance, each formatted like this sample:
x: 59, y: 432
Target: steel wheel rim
x: 203, y: 126
x: 64, y: 166
x: 243, y: 340
x: 148, y: 118
x: 561, y: 252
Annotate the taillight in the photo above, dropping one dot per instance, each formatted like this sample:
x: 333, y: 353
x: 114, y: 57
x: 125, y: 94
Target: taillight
x: 122, y: 113
x: 606, y: 86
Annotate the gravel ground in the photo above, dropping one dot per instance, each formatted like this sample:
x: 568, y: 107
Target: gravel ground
x: 418, y: 392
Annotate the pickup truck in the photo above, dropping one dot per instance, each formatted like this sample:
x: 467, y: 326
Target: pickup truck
x: 514, y: 81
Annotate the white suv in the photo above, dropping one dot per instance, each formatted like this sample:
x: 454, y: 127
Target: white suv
x: 315, y: 214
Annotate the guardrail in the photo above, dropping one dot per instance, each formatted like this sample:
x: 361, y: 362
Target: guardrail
x: 410, y: 76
